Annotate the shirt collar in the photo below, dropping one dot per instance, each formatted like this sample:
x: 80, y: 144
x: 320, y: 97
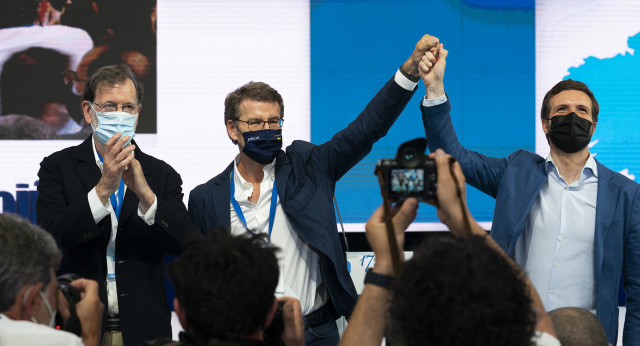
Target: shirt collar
x: 95, y: 152
x: 244, y: 188
x: 590, y: 168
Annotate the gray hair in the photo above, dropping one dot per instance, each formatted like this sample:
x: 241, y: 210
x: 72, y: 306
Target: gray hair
x: 27, y: 257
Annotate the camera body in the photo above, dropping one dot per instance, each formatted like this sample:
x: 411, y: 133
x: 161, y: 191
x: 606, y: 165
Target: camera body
x: 71, y: 293
x: 410, y: 174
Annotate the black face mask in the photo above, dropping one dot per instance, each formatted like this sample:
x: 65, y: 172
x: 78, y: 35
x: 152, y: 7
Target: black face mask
x: 569, y: 132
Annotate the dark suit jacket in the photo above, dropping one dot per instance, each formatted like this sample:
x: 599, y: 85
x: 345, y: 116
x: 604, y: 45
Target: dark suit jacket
x: 306, y: 175
x: 63, y: 210
x: 515, y: 182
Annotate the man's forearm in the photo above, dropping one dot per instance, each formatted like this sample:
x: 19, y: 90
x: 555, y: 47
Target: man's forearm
x: 367, y: 323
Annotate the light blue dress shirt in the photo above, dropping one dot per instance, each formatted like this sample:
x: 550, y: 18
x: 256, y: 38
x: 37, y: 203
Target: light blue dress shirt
x: 556, y: 247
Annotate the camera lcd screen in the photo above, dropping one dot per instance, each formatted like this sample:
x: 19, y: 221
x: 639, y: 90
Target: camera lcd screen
x: 407, y: 181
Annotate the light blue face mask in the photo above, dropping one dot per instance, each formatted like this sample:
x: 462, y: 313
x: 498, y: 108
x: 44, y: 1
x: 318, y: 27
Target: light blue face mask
x: 110, y: 123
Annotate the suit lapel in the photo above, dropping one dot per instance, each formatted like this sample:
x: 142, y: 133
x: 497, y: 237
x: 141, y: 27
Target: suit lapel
x: 87, y: 169
x: 283, y: 170
x: 222, y: 192
x: 606, y: 204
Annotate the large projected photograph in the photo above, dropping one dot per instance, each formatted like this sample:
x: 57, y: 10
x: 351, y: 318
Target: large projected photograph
x: 48, y: 49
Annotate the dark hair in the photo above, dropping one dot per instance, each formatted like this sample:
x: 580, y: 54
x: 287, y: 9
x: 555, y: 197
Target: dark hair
x: 225, y: 284
x: 568, y: 84
x: 32, y: 78
x: 578, y: 327
x: 459, y: 291
x: 256, y: 91
x: 109, y: 76
x: 27, y: 257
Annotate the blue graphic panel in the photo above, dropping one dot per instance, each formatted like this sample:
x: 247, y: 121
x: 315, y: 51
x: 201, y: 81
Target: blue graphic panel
x: 614, y: 82
x: 356, y: 46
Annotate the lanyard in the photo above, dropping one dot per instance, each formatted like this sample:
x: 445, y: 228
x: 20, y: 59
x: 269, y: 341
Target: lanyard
x: 272, y: 209
x: 117, y: 197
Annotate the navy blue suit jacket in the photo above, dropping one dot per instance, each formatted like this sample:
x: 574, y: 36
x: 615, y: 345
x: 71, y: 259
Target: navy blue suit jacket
x: 515, y: 183
x: 62, y: 209
x: 306, y: 175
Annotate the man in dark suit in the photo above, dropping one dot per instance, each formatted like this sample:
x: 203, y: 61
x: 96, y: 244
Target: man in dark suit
x: 114, y: 213
x: 571, y: 223
x: 288, y: 194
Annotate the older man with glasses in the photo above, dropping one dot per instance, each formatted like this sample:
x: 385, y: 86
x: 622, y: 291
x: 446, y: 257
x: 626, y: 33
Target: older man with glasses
x: 115, y: 214
x: 288, y: 194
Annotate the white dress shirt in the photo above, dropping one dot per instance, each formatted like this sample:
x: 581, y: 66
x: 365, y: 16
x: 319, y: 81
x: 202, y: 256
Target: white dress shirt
x: 299, y: 264
x: 99, y: 211
x: 556, y: 247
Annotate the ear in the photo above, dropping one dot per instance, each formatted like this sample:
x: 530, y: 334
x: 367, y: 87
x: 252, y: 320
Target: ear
x: 86, y: 111
x: 593, y: 128
x: 232, y: 130
x: 545, y: 126
x: 182, y: 316
x: 29, y: 296
x: 271, y: 313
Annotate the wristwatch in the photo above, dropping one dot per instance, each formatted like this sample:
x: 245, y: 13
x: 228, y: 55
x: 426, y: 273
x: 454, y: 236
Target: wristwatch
x: 410, y: 77
x: 378, y: 279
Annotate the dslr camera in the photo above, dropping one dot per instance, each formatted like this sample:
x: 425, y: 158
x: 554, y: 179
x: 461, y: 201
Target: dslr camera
x: 410, y: 174
x: 73, y: 296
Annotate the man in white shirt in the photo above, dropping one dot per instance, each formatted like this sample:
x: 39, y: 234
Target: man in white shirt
x: 29, y: 296
x: 288, y: 194
x: 115, y: 211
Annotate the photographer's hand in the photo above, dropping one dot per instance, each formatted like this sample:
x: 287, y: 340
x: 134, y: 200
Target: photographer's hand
x: 376, y: 228
x: 89, y: 310
x: 367, y: 323
x: 293, y: 334
x: 63, y: 306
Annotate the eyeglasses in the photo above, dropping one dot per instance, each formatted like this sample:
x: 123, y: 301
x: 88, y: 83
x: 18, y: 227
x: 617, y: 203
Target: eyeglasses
x: 257, y: 124
x: 130, y: 108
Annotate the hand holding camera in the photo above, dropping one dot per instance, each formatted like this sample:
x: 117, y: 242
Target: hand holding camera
x: 81, y: 307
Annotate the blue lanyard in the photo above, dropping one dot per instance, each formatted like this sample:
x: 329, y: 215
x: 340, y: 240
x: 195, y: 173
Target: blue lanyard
x: 272, y: 209
x: 116, y: 200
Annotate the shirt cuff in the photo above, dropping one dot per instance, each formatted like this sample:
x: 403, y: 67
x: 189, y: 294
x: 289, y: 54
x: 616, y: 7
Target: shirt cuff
x: 148, y: 216
x: 434, y: 102
x: 404, y: 82
x: 98, y: 210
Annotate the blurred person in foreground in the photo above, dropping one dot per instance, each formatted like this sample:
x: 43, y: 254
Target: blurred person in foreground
x: 460, y: 290
x: 578, y: 327
x: 29, y: 296
x: 225, y: 288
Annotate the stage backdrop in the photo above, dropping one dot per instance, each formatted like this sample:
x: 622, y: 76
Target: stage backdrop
x: 328, y: 58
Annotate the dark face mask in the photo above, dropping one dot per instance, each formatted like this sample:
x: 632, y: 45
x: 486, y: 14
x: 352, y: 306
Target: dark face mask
x: 569, y: 132
x: 262, y: 146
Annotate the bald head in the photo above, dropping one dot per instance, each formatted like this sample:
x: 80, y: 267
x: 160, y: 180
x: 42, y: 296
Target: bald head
x: 578, y: 327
